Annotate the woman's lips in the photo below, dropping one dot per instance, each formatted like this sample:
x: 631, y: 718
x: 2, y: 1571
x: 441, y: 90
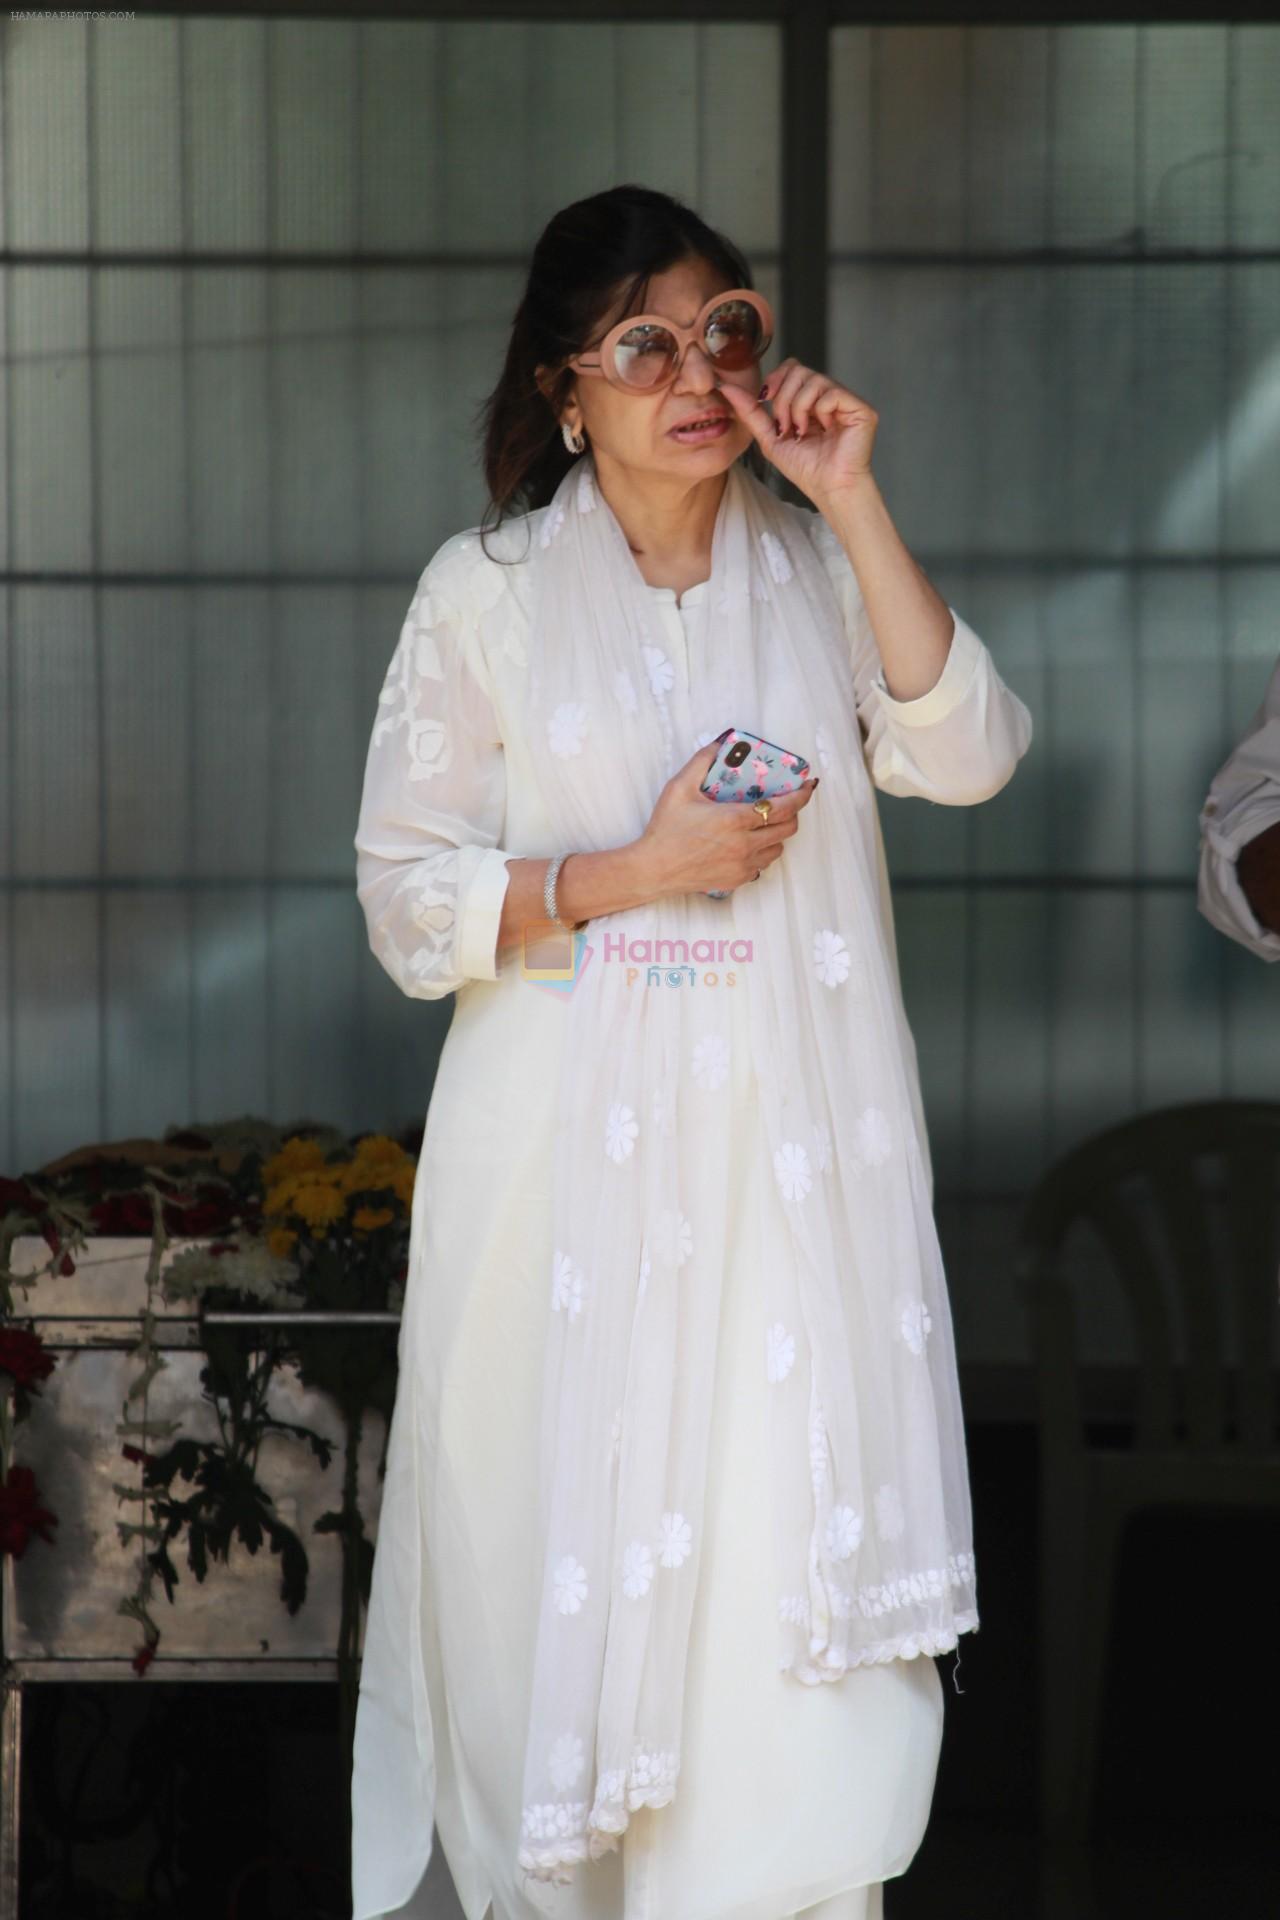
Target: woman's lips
x: 714, y: 430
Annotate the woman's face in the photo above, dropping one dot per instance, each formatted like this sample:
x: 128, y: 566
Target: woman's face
x: 635, y: 429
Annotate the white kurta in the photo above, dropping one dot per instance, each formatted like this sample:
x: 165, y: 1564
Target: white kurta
x: 788, y: 1794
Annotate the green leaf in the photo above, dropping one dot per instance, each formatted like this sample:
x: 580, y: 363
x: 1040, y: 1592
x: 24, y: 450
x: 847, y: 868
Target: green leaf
x: 197, y: 1556
x: 250, y: 1529
x: 159, y: 1559
x: 181, y: 1459
x: 294, y: 1565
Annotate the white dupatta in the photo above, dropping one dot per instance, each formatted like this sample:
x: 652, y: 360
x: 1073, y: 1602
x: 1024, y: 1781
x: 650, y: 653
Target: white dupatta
x: 869, y: 1491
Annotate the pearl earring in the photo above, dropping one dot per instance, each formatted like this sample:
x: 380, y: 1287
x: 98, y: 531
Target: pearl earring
x: 575, y: 442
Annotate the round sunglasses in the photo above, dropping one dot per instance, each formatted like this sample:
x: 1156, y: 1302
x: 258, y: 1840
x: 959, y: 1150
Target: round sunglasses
x: 642, y: 353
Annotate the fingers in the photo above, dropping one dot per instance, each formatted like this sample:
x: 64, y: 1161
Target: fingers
x: 804, y: 398
x: 781, y: 808
x: 761, y: 845
x: 697, y: 766
x: 757, y: 843
x: 771, y: 837
x: 826, y: 407
x: 750, y: 411
x: 804, y: 405
x: 758, y: 859
x: 785, y: 384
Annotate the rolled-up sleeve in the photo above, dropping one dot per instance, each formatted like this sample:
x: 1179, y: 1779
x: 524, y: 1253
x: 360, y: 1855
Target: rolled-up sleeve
x: 431, y: 875
x: 1242, y: 802
x: 959, y: 742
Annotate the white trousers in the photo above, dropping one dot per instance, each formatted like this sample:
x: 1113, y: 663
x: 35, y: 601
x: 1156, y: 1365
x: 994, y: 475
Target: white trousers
x: 855, y: 1903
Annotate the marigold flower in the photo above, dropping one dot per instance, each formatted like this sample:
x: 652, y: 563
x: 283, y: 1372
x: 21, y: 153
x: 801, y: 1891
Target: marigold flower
x: 378, y: 1146
x: 318, y: 1203
x: 365, y: 1219
x: 283, y: 1196
x: 279, y: 1199
x: 297, y: 1155
x: 378, y: 1163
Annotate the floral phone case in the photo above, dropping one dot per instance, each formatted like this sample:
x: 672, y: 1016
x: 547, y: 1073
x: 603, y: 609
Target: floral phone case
x: 749, y: 768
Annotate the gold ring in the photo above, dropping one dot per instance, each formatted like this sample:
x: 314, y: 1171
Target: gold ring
x: 763, y: 808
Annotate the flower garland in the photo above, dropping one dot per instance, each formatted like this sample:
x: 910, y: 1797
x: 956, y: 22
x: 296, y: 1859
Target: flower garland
x: 25, y: 1361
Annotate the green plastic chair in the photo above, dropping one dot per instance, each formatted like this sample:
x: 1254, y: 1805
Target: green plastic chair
x: 1181, y: 1212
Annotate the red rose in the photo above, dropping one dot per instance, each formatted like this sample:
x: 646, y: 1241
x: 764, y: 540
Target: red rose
x: 21, y: 1514
x: 25, y: 1356
x: 17, y: 1197
x: 123, y: 1213
x: 204, y: 1211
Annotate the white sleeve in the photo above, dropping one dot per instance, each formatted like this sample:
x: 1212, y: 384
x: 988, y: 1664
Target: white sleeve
x: 1243, y: 800
x: 430, y: 874
x: 957, y: 744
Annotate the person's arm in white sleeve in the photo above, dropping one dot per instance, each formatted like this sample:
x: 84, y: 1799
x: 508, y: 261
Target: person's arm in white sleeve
x: 1239, y: 831
x: 959, y: 742
x: 430, y: 874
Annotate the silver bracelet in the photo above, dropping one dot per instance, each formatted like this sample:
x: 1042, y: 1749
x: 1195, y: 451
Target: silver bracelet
x: 549, y: 896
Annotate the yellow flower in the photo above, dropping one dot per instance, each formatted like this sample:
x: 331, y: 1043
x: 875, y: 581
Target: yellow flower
x: 279, y: 1199
x: 377, y: 1146
x: 297, y: 1155
x: 377, y: 1163
x: 280, y: 1242
x: 318, y: 1203
x: 282, y: 1197
x: 365, y: 1219
x: 403, y: 1185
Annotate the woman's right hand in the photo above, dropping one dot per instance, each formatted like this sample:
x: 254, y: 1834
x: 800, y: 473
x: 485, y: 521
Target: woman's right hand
x: 693, y: 843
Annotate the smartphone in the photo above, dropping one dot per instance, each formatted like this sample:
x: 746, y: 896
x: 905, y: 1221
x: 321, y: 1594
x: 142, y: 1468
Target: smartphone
x: 749, y: 768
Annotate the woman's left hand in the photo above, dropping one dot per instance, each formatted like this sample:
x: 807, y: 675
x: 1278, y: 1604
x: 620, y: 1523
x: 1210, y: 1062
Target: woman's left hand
x: 820, y: 435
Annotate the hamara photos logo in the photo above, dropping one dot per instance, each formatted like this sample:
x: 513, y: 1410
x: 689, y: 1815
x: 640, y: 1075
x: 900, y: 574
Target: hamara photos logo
x: 556, y: 959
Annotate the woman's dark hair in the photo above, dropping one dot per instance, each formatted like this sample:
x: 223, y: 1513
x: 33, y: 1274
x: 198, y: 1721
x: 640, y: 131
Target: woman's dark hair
x: 585, y: 256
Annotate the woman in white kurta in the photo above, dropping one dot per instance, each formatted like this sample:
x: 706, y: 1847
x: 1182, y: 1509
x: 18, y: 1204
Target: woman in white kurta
x: 791, y: 1799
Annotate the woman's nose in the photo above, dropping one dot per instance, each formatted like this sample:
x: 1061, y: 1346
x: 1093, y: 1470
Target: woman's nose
x: 696, y: 369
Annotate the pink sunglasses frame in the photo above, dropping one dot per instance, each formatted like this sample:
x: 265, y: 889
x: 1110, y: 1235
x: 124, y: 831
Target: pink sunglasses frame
x: 683, y: 335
